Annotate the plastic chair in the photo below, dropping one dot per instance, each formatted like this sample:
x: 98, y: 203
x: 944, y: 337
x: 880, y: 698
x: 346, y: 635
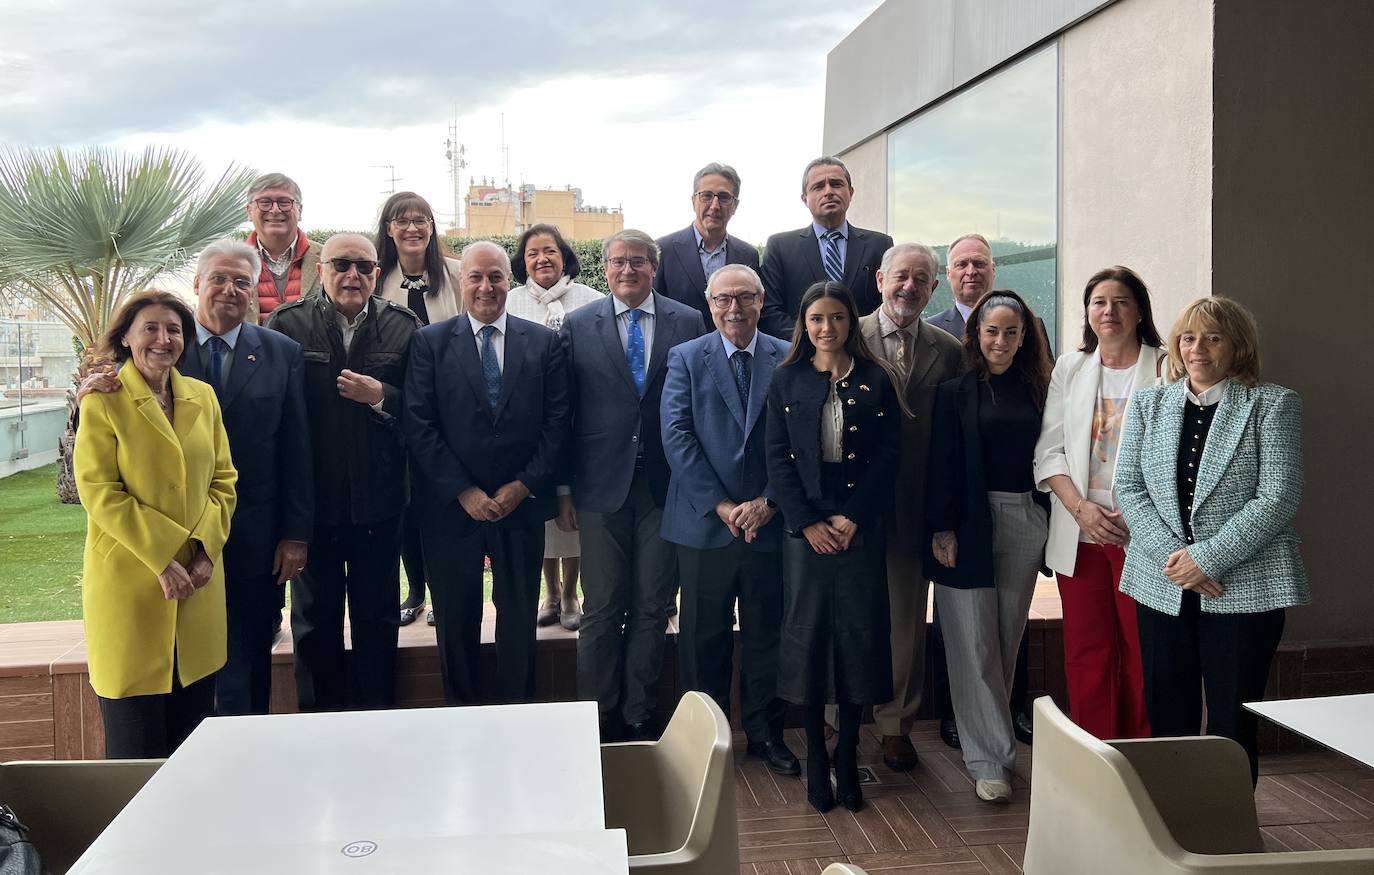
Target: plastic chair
x: 843, y: 869
x: 675, y: 798
x: 67, y: 805
x: 1142, y: 807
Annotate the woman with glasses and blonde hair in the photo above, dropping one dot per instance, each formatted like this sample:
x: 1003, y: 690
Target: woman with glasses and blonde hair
x: 414, y: 272
x: 1208, y: 477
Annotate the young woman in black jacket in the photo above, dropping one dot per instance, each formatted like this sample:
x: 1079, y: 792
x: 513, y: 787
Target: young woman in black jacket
x: 833, y: 442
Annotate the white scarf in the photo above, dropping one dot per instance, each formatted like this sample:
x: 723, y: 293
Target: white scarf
x: 549, y: 298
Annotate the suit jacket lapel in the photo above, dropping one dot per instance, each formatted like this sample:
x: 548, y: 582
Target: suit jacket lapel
x: 147, y: 405
x: 765, y: 362
x: 923, y: 354
x: 665, y: 339
x: 187, y: 407
x: 470, y: 362
x: 610, y: 338
x: 853, y: 255
x: 686, y: 250
x: 724, y: 375
x: 1165, y: 454
x: 811, y: 251
x: 1233, y: 414
x: 246, y: 363
x: 1082, y: 396
x: 516, y: 343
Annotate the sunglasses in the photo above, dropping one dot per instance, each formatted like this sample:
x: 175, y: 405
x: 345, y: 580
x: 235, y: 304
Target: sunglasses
x: 365, y: 266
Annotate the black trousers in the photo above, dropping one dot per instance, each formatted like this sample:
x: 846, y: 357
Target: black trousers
x: 413, y: 558
x: 152, y: 727
x: 628, y: 573
x: 1225, y: 656
x: 361, y: 564
x: 244, y: 685
x: 455, y: 546
x: 711, y: 582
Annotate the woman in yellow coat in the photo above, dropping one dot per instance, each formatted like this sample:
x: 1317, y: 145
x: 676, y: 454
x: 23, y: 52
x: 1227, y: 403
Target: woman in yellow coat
x: 153, y: 469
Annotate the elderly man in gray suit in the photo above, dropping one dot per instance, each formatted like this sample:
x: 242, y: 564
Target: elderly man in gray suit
x: 616, y: 350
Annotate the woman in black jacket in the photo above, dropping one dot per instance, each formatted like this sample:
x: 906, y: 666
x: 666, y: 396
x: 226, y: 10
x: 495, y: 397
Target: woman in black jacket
x: 990, y: 523
x: 833, y: 441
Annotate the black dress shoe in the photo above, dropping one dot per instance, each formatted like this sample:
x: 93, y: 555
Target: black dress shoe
x: 1023, y: 727
x: 776, y: 756
x: 672, y: 609
x: 949, y: 732
x: 645, y: 730
x: 408, y: 615
x: 853, y: 801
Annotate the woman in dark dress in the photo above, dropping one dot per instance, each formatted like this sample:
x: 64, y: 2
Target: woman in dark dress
x: 833, y: 442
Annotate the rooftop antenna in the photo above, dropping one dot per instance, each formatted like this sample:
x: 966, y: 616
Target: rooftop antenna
x: 391, y: 174
x: 456, y: 153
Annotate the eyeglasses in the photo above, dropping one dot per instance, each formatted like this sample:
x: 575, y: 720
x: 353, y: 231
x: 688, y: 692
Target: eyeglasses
x: 744, y: 299
x: 638, y: 262
x: 365, y: 266
x: 409, y: 222
x: 219, y: 281
x: 282, y: 203
x: 705, y: 197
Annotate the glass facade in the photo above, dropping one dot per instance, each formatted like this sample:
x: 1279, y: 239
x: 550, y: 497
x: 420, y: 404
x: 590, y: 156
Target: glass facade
x: 986, y: 161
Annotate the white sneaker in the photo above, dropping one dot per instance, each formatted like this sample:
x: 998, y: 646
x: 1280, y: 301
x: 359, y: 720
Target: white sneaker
x: 992, y: 790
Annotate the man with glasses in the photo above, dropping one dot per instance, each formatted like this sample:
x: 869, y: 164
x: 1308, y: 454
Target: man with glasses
x: 828, y: 249
x: 703, y: 247
x: 616, y: 350
x: 290, y: 261
x: 355, y: 346
x: 720, y: 512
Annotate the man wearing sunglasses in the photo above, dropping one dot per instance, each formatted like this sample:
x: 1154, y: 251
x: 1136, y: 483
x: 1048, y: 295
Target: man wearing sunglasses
x: 355, y: 345
x: 703, y: 247
x: 290, y: 261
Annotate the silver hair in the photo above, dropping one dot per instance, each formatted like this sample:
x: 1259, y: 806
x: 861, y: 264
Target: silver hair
x: 731, y: 176
x: 825, y: 161
x: 899, y: 248
x: 630, y: 235
x: 745, y: 269
x: 961, y: 238
x: 483, y: 244
x: 274, y: 180
x: 228, y: 247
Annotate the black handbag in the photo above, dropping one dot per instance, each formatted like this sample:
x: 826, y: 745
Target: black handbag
x: 17, y: 854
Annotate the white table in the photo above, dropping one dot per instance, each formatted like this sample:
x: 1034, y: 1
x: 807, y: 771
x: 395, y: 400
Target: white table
x: 299, y: 793
x: 1342, y: 723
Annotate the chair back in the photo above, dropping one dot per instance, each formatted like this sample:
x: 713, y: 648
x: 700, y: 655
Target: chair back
x: 843, y: 869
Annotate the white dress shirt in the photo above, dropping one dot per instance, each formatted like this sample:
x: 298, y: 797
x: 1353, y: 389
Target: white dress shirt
x: 646, y: 326
x: 1209, y: 397
x: 498, y: 340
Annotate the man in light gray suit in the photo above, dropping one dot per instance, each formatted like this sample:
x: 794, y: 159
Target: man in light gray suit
x: 616, y: 350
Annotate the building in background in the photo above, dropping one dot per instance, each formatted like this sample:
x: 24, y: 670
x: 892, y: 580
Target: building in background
x: 493, y: 210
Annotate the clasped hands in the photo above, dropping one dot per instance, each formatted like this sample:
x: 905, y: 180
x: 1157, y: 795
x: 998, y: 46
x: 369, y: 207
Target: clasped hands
x: 832, y: 535
x: 1102, y: 525
x: 490, y: 508
x: 747, y: 517
x: 181, y: 581
x: 1180, y: 569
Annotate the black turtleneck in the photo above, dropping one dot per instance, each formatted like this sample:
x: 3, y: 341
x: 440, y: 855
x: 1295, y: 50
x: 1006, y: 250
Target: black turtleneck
x: 1008, y: 427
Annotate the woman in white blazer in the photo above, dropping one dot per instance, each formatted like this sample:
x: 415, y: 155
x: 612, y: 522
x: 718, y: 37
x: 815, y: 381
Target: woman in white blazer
x: 1075, y: 459
x: 415, y: 273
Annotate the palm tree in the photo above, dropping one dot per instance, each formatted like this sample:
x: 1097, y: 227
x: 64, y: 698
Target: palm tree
x: 81, y: 230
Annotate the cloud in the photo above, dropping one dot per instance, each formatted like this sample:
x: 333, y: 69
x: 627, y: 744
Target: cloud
x: 79, y: 72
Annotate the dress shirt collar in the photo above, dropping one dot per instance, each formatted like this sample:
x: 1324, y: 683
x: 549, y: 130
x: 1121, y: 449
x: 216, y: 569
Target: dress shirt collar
x: 478, y: 325
x: 1209, y: 397
x: 231, y: 337
x: 731, y: 349
x: 701, y: 242
x: 963, y: 311
x: 886, y: 327
x: 822, y: 231
x: 646, y: 307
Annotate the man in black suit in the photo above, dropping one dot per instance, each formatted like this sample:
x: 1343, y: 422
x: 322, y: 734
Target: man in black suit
x: 486, y: 411
x: 827, y: 249
x: 970, y: 267
x: 616, y: 351
x: 258, y: 376
x: 691, y: 255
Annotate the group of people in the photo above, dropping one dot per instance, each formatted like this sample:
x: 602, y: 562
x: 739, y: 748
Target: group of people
x: 787, y: 441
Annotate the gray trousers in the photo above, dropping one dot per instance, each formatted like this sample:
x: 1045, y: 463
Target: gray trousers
x: 628, y: 572
x: 983, y: 628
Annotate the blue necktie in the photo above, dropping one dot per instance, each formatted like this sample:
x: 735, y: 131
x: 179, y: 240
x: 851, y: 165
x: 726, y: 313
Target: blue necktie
x: 634, y: 350
x: 834, y: 265
x: 217, y: 350
x: 740, y: 360
x: 491, y: 368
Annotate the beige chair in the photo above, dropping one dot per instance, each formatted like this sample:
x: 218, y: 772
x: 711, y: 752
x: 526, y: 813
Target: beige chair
x: 675, y: 798
x: 843, y: 869
x: 67, y: 805
x: 1142, y: 807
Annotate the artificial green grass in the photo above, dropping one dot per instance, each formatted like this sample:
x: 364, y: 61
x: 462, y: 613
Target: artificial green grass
x: 40, y: 549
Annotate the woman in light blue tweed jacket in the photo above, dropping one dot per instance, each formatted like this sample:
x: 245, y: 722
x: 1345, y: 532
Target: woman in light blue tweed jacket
x: 1208, y: 477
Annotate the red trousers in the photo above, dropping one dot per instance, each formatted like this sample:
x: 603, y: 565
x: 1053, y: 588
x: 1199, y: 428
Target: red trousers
x: 1102, y: 646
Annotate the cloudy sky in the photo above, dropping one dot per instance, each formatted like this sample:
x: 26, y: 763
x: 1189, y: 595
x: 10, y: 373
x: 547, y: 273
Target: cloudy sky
x: 624, y: 99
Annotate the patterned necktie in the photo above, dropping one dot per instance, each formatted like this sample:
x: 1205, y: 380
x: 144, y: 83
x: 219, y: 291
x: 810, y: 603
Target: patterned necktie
x: 834, y: 265
x: 634, y: 350
x: 491, y: 368
x: 740, y: 360
x: 216, y: 363
x: 904, y: 352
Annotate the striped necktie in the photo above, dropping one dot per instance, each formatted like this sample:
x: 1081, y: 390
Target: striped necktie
x: 834, y: 265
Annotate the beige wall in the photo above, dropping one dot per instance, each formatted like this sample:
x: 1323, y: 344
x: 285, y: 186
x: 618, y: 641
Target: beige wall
x: 1292, y: 220
x: 867, y: 164
x: 1136, y: 153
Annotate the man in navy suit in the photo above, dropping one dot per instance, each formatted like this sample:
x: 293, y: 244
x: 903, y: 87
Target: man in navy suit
x: 616, y: 351
x: 720, y: 511
x: 258, y: 376
x: 829, y: 249
x: 971, y: 269
x: 703, y: 247
x: 486, y: 412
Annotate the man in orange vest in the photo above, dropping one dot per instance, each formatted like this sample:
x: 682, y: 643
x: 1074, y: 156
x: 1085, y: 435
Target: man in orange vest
x: 289, y: 259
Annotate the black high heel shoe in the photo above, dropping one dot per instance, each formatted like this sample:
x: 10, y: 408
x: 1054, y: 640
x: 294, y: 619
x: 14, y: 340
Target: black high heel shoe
x: 818, y: 790
x: 847, y: 791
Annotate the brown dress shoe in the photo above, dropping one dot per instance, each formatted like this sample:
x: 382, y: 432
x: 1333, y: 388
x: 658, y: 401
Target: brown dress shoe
x: 898, y: 754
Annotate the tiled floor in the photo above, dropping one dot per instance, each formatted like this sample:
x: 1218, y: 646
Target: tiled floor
x: 928, y: 820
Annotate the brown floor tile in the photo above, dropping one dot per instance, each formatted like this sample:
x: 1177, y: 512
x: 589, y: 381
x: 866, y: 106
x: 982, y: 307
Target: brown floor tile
x: 945, y: 861
x: 997, y: 860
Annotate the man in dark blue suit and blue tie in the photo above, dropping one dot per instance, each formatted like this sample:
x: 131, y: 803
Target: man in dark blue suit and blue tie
x: 486, y: 414
x: 720, y: 510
